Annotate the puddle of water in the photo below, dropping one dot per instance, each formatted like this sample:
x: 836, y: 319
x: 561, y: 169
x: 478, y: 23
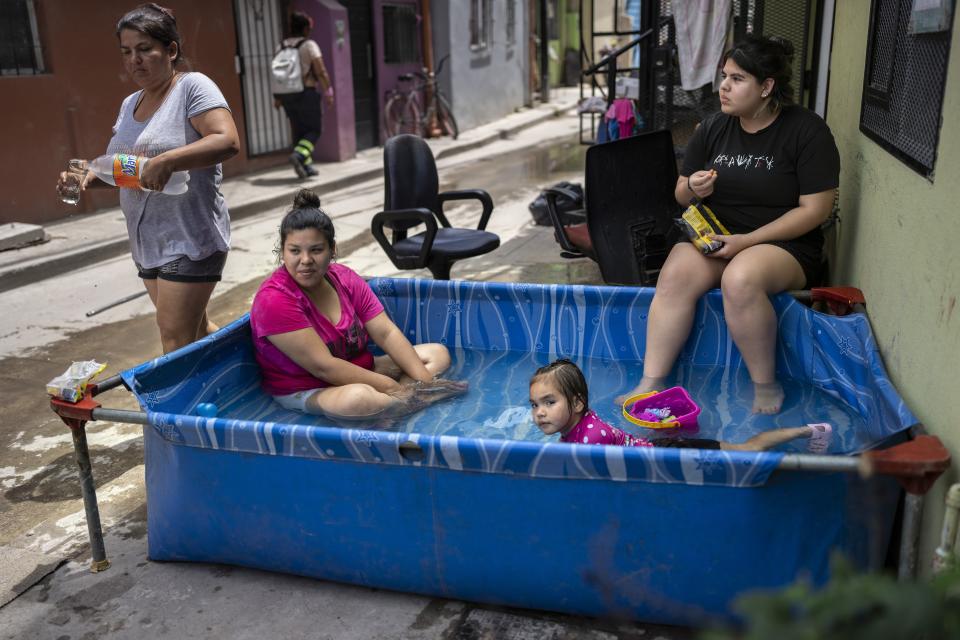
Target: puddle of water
x: 505, y: 175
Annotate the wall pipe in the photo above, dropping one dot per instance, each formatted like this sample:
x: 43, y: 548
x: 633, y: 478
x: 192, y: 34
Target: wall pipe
x: 946, y: 552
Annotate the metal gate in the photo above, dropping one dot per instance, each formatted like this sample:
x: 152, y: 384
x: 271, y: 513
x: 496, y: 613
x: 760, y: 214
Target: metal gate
x: 677, y: 109
x: 259, y: 30
x: 653, y: 65
x: 790, y: 19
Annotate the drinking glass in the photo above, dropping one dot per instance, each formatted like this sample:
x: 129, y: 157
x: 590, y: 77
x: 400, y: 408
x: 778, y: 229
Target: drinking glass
x: 70, y: 189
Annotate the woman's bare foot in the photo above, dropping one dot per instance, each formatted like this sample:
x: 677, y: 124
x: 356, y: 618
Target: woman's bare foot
x: 646, y: 385
x: 442, y: 387
x: 767, y: 397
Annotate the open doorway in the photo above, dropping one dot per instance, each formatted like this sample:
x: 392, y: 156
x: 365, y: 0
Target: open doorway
x: 364, y: 72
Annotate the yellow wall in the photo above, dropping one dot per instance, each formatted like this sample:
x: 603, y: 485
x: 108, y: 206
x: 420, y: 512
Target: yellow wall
x: 900, y: 244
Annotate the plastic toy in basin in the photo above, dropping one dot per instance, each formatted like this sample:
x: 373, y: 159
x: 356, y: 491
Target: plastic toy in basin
x: 641, y: 409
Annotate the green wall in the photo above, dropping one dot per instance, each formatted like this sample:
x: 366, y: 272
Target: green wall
x: 900, y: 243
x: 568, y: 37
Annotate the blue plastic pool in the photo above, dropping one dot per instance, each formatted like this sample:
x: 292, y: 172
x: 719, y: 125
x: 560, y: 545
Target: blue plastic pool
x: 664, y: 535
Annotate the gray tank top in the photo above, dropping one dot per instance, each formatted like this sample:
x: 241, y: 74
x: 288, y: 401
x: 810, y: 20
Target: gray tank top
x: 163, y: 228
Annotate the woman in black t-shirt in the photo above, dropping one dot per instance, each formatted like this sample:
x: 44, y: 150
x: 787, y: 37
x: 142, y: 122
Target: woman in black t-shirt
x: 769, y: 171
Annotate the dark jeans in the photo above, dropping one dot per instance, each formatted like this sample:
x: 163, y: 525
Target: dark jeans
x: 305, y: 113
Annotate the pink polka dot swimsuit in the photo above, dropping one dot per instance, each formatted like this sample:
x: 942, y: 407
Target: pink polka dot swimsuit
x: 592, y: 430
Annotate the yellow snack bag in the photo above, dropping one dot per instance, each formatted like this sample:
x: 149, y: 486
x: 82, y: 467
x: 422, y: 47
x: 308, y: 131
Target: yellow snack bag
x: 698, y: 222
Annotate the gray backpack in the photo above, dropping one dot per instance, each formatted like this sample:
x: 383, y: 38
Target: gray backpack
x: 286, y: 75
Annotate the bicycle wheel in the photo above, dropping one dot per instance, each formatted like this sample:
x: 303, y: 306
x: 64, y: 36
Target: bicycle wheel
x: 448, y: 124
x: 401, y: 115
x: 391, y: 114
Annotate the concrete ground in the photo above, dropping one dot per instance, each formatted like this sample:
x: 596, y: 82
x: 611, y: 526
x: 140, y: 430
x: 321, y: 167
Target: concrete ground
x: 46, y: 588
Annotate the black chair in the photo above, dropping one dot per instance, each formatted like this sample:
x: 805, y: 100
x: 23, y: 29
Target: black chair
x: 571, y: 233
x: 628, y: 193
x: 411, y: 198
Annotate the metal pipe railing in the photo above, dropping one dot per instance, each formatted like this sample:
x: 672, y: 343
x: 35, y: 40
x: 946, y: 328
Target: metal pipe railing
x: 611, y: 58
x: 121, y: 415
x: 610, y: 62
x: 910, y: 536
x: 99, y: 560
x: 826, y: 464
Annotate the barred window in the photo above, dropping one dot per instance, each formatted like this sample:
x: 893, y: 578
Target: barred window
x: 400, y: 34
x: 20, y: 52
x: 479, y: 24
x: 903, y: 83
x: 511, y: 21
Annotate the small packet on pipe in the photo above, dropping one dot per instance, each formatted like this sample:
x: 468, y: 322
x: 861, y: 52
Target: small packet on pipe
x: 71, y: 384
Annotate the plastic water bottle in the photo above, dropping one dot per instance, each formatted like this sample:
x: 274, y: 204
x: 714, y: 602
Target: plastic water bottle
x: 123, y: 170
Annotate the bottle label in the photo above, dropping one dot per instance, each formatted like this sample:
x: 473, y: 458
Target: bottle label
x: 126, y: 170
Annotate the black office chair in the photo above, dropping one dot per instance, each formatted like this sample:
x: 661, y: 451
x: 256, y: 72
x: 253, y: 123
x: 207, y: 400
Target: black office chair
x: 571, y: 233
x: 630, y: 207
x: 411, y: 198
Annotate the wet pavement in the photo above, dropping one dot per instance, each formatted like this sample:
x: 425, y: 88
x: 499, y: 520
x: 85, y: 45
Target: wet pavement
x: 39, y: 494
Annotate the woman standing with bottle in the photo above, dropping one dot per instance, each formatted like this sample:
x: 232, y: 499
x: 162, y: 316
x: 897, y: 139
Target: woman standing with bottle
x: 181, y: 122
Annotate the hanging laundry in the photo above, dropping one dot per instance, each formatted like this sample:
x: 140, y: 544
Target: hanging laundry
x: 702, y: 27
x: 620, y: 121
x: 592, y: 104
x: 626, y: 116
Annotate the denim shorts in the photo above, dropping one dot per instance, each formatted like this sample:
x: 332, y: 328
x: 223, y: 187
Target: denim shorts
x: 183, y: 269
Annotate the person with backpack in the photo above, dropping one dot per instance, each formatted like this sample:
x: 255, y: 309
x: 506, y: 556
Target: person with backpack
x: 295, y: 71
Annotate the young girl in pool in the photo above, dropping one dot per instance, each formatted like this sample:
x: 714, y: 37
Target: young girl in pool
x: 559, y: 400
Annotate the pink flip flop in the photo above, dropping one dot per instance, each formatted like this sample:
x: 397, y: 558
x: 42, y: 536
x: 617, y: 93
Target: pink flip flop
x: 820, y: 438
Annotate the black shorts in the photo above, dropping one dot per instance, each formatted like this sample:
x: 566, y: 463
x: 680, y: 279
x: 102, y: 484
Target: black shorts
x: 809, y: 256
x: 183, y: 269
x: 686, y: 443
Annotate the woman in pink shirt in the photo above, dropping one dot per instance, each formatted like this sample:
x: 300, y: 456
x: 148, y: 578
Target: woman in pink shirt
x: 311, y: 321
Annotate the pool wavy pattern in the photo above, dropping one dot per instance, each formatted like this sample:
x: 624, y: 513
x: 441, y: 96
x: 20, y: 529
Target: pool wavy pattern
x: 513, y: 457
x: 839, y: 355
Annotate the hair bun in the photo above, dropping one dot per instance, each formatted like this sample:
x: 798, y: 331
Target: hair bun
x: 162, y: 10
x: 785, y: 44
x: 306, y: 199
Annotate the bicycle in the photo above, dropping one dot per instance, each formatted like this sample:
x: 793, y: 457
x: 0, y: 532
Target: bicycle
x: 403, y: 111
